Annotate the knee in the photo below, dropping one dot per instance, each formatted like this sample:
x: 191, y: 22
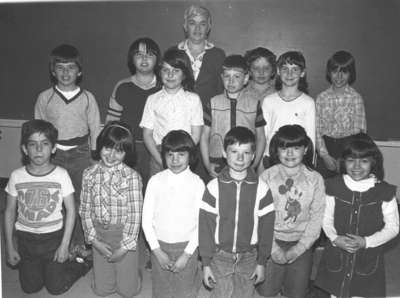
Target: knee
x: 101, y: 293
x: 131, y: 291
x: 57, y: 287
x: 30, y: 289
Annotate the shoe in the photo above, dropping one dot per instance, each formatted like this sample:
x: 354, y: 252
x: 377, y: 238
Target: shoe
x: 148, y: 265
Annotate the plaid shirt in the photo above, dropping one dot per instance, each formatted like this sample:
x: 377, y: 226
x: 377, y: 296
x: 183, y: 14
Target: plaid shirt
x: 112, y: 196
x: 339, y: 116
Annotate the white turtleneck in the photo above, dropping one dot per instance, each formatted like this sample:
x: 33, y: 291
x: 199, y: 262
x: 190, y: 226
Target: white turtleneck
x: 171, y: 208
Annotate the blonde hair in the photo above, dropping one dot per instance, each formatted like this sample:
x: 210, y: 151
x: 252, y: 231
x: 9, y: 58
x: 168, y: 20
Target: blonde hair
x: 196, y: 10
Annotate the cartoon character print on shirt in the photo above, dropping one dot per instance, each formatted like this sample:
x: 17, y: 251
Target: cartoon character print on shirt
x: 38, y: 200
x: 292, y: 206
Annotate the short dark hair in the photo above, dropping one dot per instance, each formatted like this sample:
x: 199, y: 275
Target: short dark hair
x: 178, y: 141
x: 361, y: 145
x: 240, y: 135
x: 341, y: 61
x: 260, y: 52
x: 118, y: 135
x: 64, y: 53
x: 151, y: 47
x: 178, y: 59
x: 297, y: 58
x: 235, y: 61
x: 37, y: 126
x: 291, y: 136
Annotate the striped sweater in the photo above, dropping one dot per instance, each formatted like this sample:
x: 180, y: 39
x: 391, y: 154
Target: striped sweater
x: 236, y: 216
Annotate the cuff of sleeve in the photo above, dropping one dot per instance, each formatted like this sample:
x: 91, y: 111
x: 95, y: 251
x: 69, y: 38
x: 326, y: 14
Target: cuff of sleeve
x: 367, y: 242
x: 128, y: 244
x: 206, y: 261
x: 93, y: 154
x: 299, y: 249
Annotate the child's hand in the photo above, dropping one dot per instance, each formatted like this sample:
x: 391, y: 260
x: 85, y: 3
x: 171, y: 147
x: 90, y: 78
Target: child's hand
x: 343, y: 242
x: 291, y: 255
x: 329, y: 162
x: 117, y: 255
x: 208, y: 277
x: 103, y: 248
x: 163, y: 259
x: 13, y: 256
x: 356, y: 242
x: 61, y: 254
x: 180, y: 263
x: 258, y: 274
x: 279, y: 256
x: 211, y: 170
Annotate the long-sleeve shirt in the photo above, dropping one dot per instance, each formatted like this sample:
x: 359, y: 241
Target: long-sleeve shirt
x: 236, y: 216
x: 171, y: 209
x: 299, y: 203
x: 73, y: 118
x: 389, y: 211
x: 339, y: 115
x: 112, y: 195
x: 278, y: 112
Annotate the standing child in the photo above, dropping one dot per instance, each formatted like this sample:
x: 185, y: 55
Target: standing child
x: 75, y: 114
x: 129, y: 95
x: 38, y: 191
x: 173, y: 107
x: 360, y: 217
x: 235, y: 107
x: 340, y: 111
x: 170, y: 219
x: 111, y: 209
x: 236, y: 222
x: 299, y: 200
x: 290, y: 104
x: 262, y: 66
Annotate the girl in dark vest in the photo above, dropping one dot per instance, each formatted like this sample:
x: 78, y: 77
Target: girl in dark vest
x: 360, y: 217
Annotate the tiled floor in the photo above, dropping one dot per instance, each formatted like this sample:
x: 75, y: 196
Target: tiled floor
x: 81, y: 289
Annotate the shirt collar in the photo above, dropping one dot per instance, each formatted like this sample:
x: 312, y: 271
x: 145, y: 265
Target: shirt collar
x: 362, y: 185
x: 225, y: 177
x: 183, y: 45
x: 181, y: 92
x: 180, y: 175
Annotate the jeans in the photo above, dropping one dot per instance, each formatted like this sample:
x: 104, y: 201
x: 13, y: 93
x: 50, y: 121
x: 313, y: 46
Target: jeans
x: 75, y: 161
x: 123, y: 276
x: 37, y: 268
x: 291, y: 280
x: 232, y: 272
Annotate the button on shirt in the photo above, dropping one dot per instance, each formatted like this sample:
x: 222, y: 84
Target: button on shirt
x: 112, y: 196
x: 164, y: 112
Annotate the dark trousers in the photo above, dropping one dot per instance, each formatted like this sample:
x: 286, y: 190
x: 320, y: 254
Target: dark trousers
x: 75, y: 161
x: 37, y: 268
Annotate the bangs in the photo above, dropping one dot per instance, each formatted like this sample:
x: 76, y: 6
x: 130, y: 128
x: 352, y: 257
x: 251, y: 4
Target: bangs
x: 359, y: 149
x: 346, y: 68
x: 284, y: 142
x: 292, y: 58
x: 146, y: 47
x: 118, y: 142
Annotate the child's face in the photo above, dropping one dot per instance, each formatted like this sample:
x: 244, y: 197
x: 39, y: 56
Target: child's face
x: 358, y: 168
x: 239, y: 157
x: 171, y: 77
x: 111, y: 156
x: 261, y: 71
x: 144, y: 60
x: 39, y: 150
x: 291, y: 157
x: 66, y: 74
x: 197, y: 28
x: 339, y: 79
x: 290, y: 74
x: 177, y: 161
x: 234, y: 80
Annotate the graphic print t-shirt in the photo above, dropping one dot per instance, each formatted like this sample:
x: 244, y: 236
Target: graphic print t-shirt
x: 39, y: 199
